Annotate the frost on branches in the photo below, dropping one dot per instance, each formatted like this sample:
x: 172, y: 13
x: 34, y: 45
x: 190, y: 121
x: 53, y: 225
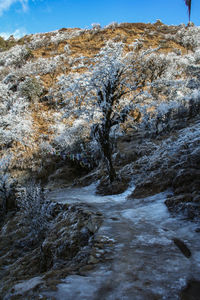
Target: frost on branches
x: 6, y: 185
x: 15, y: 121
x: 100, y: 93
x: 34, y: 208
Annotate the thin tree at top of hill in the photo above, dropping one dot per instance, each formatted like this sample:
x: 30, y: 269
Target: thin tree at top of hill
x: 100, y: 93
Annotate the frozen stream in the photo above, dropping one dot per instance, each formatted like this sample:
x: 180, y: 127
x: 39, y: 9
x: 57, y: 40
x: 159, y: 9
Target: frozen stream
x: 145, y: 264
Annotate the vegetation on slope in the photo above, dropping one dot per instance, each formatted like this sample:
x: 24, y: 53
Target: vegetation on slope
x: 128, y: 93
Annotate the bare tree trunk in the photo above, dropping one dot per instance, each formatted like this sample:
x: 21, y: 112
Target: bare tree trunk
x: 107, y: 153
x: 111, y: 170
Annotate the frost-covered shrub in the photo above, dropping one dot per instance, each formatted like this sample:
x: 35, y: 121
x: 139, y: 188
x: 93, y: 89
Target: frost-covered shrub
x: 41, y: 66
x: 186, y: 36
x: 7, y: 196
x: 71, y: 137
x: 34, y: 209
x: 96, y: 26
x: 187, y: 140
x: 189, y: 36
x: 6, y: 191
x: 63, y: 35
x: 45, y: 148
x: 38, y: 40
x: 30, y: 88
x: 67, y: 49
x: 136, y: 45
x: 16, y: 56
x: 15, y: 121
x: 112, y: 25
x: 168, y: 116
x: 152, y: 67
x: 72, y: 142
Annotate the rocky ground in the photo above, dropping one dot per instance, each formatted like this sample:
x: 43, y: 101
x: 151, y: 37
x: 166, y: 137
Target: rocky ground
x: 173, y: 164
x: 169, y: 162
x: 65, y: 248
x: 166, y: 162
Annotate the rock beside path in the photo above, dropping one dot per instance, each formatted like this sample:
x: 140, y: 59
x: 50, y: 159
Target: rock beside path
x: 65, y: 248
x: 175, y: 165
x: 118, y: 186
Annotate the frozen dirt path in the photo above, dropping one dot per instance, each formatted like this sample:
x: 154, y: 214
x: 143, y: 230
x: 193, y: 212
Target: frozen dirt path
x: 145, y: 264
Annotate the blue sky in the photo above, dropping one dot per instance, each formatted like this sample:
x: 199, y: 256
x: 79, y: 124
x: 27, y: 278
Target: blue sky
x: 32, y: 16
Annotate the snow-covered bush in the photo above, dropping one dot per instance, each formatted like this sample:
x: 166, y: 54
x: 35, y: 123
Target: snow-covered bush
x: 34, y: 208
x: 71, y: 137
x: 16, y: 56
x: 45, y: 148
x: 30, y: 88
x: 6, y: 184
x: 112, y: 25
x: 189, y: 36
x: 15, y: 121
x: 67, y: 49
x: 168, y: 116
x: 38, y: 40
x: 41, y: 66
x: 65, y: 34
x: 96, y: 27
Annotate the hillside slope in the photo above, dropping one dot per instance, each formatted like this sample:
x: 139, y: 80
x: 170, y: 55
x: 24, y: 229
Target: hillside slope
x: 47, y: 111
x: 32, y: 100
x: 37, y: 137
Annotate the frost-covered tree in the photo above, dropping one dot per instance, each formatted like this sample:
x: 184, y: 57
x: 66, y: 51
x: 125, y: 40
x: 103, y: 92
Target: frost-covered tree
x: 101, y: 94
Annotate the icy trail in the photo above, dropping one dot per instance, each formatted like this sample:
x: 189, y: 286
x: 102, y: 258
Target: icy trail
x: 145, y: 264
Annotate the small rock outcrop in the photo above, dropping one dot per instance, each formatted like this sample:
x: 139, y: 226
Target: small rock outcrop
x: 65, y: 247
x: 173, y: 164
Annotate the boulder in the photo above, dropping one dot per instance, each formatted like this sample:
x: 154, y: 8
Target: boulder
x: 186, y: 177
x: 185, y: 204
x: 70, y: 231
x: 112, y: 188
x: 66, y: 246
x: 149, y: 188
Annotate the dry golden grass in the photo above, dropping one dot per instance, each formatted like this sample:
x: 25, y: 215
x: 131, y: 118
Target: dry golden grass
x: 88, y: 43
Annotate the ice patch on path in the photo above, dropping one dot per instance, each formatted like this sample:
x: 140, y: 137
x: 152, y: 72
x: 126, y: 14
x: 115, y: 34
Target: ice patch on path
x: 82, y: 287
x: 148, y: 209
x: 86, y: 195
